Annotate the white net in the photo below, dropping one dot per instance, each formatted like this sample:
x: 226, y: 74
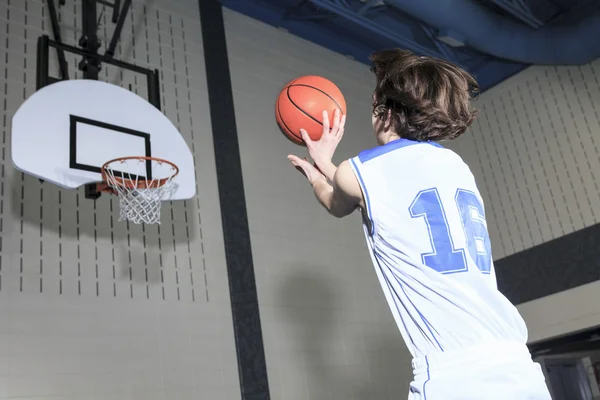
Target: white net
x: 140, y: 198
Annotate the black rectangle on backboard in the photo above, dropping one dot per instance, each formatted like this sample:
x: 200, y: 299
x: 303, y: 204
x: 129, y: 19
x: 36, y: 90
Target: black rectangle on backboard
x: 92, y: 143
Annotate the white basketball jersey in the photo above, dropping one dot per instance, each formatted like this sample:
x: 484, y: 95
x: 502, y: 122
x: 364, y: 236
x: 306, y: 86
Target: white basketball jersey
x: 425, y: 226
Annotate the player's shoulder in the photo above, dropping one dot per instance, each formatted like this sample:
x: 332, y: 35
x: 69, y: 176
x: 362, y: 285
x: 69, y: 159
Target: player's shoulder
x: 402, y: 144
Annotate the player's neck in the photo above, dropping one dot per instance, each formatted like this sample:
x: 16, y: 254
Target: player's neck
x: 386, y: 137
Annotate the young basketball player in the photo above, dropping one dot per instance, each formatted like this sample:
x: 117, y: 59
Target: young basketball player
x: 425, y: 227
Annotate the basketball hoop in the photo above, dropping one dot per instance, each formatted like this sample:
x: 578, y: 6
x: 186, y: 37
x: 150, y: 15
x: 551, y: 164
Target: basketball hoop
x: 141, y: 183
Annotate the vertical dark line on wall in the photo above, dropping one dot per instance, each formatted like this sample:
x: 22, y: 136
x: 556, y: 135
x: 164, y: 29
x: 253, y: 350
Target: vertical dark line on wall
x: 252, y: 369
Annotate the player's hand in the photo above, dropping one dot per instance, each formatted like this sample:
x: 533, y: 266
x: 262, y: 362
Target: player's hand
x: 310, y: 171
x: 322, y: 150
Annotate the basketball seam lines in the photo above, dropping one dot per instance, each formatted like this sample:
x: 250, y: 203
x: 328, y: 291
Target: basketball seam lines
x: 287, y: 92
x: 312, y: 87
x: 281, y: 117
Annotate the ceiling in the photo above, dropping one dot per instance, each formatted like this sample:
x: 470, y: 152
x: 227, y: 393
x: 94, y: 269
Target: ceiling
x: 492, y: 39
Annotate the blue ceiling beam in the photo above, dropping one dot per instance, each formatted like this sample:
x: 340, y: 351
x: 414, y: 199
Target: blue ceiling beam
x: 369, y: 5
x: 301, y: 12
x: 359, y: 43
x: 308, y: 30
x: 442, y: 47
x: 351, y: 15
x: 491, y: 33
x: 519, y: 9
x: 341, y: 3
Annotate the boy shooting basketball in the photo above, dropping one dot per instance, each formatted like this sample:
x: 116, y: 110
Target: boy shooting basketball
x: 425, y: 227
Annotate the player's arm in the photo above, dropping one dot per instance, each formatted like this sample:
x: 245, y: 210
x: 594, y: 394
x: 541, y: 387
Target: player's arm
x: 341, y: 197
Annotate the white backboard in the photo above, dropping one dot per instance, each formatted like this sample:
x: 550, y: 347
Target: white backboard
x: 66, y: 131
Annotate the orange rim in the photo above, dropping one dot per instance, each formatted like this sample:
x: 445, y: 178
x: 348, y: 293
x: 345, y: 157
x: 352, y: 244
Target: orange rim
x: 141, y: 183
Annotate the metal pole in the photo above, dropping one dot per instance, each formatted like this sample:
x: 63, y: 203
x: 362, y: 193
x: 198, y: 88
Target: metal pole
x: 89, y: 40
x: 42, y: 62
x: 154, y: 88
x: 100, y: 58
x: 90, y: 65
x: 62, y: 62
x: 116, y: 9
x: 117, y: 33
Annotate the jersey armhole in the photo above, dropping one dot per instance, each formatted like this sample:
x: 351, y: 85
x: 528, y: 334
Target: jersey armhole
x: 354, y: 163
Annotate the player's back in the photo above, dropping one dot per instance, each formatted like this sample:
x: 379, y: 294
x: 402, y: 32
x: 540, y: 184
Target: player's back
x: 426, y: 229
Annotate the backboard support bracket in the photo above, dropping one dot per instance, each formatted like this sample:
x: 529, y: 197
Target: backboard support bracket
x: 91, y: 61
x: 91, y: 191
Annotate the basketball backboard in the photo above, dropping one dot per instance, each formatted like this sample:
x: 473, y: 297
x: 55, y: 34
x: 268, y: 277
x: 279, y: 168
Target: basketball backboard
x: 66, y: 131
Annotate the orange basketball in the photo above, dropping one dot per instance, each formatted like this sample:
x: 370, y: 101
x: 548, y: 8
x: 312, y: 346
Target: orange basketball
x: 301, y: 104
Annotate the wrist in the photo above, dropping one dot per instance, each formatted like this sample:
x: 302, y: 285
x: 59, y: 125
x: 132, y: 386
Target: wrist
x: 318, y: 181
x: 327, y: 168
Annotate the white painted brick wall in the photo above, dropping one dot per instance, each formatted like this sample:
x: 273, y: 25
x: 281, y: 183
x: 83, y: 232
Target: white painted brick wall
x: 101, y: 311
x: 328, y: 332
x: 534, y: 151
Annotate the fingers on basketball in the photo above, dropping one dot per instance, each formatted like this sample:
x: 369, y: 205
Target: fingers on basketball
x: 326, y: 129
x: 305, y: 136
x: 337, y: 123
x: 301, y: 103
x: 342, y: 126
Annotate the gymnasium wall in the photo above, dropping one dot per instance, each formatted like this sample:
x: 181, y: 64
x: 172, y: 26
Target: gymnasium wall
x: 94, y: 308
x: 328, y: 332
x: 535, y: 153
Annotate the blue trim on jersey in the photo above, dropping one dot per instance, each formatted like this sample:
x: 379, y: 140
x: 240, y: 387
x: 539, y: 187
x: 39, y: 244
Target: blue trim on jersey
x: 425, y: 321
x: 429, y: 326
x: 428, y: 378
x: 370, y: 154
x: 366, y: 195
x: 387, y: 281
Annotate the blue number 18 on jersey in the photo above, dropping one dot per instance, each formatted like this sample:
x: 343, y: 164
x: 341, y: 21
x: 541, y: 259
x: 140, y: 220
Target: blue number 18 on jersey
x: 445, y: 257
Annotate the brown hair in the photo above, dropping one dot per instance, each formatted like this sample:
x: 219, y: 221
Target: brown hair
x: 425, y: 98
